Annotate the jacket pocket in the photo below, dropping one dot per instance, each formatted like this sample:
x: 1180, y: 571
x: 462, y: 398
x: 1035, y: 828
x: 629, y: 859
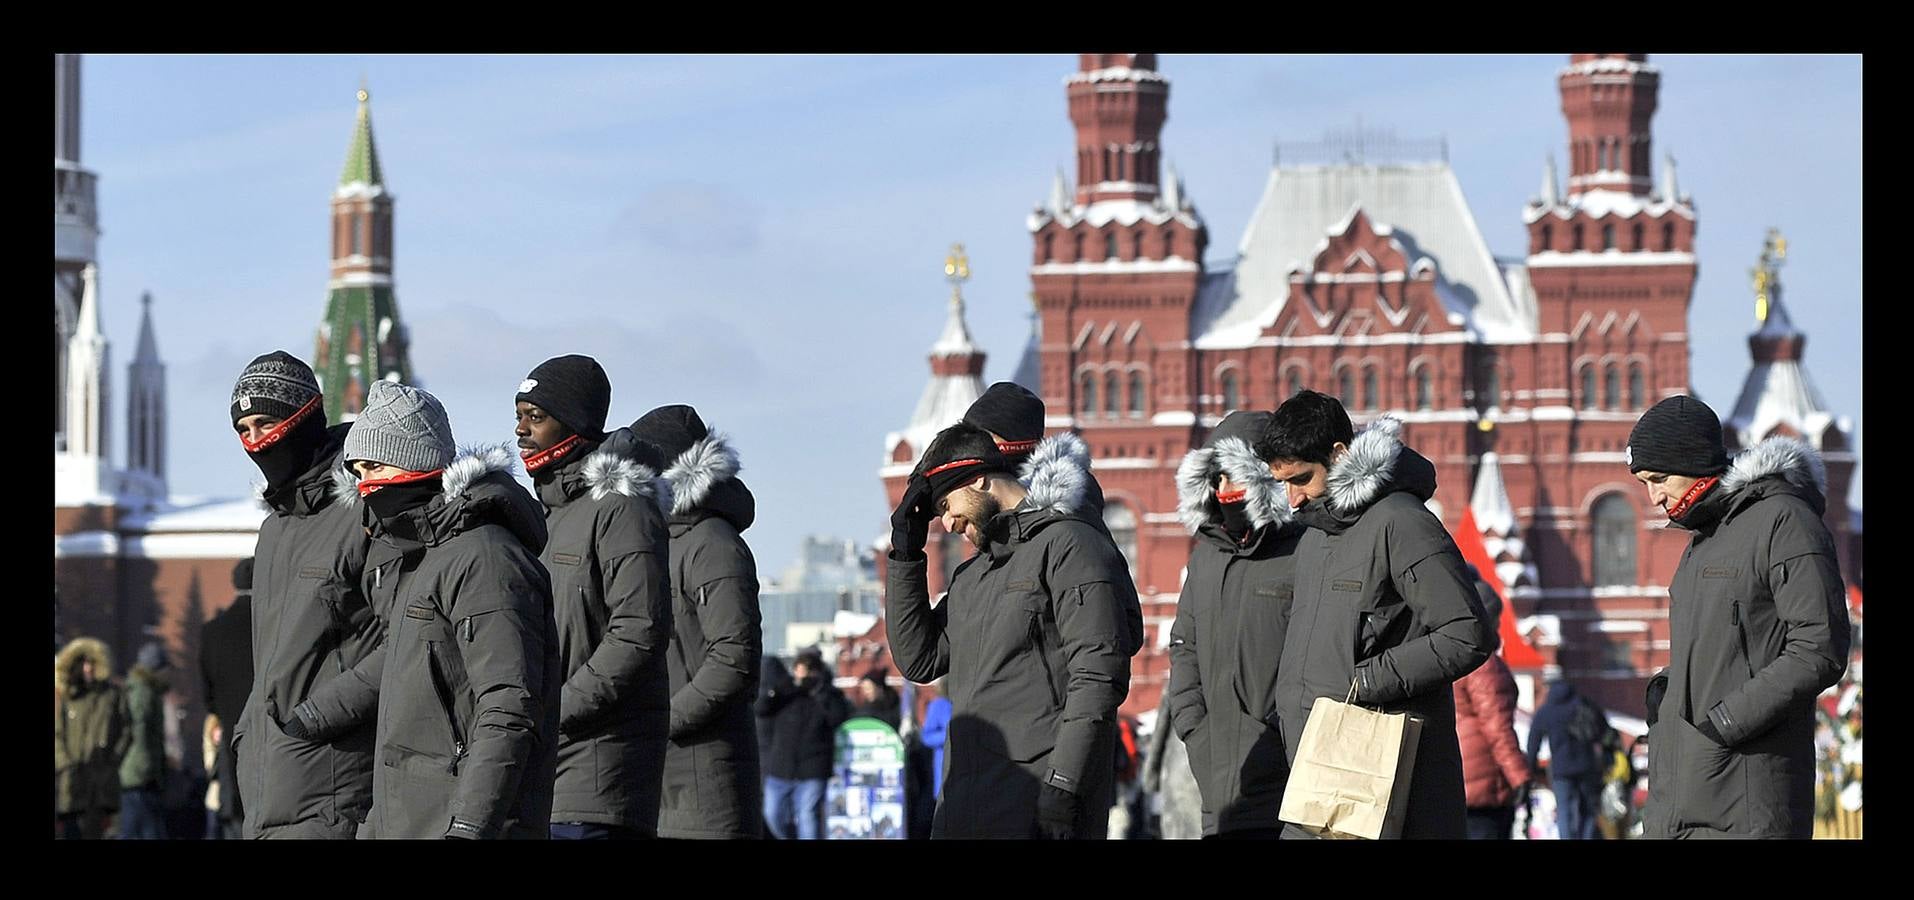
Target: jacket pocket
x: 446, y: 677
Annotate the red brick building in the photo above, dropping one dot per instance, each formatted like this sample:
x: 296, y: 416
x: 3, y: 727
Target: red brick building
x: 1371, y: 281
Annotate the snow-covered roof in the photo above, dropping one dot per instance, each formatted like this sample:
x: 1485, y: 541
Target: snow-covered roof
x: 197, y: 514
x: 945, y: 397
x: 955, y: 341
x: 1124, y: 211
x: 1114, y: 73
x: 1622, y: 204
x: 1779, y: 393
x: 1422, y: 204
x: 1608, y: 64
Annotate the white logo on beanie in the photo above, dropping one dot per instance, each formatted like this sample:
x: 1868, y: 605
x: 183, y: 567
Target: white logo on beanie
x: 245, y: 403
x: 1628, y: 455
x: 527, y: 385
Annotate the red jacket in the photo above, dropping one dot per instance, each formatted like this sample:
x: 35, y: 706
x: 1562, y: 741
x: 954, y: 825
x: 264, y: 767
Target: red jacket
x: 1493, y: 764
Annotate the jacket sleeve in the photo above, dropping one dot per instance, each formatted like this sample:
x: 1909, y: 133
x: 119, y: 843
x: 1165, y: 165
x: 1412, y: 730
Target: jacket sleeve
x: 1490, y: 691
x: 61, y: 759
x: 1187, y: 707
x: 1427, y: 572
x: 1095, y: 603
x: 1809, y: 597
x: 917, y: 637
x: 348, y: 699
x: 498, y: 617
x: 637, y: 585
x: 726, y: 596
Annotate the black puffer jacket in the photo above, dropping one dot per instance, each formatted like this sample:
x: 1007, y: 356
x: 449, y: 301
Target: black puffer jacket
x: 1383, y: 599
x: 1758, y: 627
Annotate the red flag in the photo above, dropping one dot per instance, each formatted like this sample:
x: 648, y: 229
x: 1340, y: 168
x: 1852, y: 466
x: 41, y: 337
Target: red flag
x: 1515, y: 651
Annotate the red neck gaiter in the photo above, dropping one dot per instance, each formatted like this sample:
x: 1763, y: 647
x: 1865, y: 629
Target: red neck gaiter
x: 1694, y: 495
x: 539, y: 459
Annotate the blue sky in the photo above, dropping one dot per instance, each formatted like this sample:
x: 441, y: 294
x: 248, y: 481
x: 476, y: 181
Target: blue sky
x: 763, y: 236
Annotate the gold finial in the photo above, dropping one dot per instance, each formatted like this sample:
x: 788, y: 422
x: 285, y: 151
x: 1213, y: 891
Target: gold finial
x: 364, y: 94
x: 1774, y: 250
x: 956, y: 265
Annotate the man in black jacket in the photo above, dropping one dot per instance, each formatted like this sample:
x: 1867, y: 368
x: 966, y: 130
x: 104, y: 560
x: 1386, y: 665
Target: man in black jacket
x: 1383, y: 605
x: 1757, y: 623
x: 804, y: 716
x: 1034, y: 636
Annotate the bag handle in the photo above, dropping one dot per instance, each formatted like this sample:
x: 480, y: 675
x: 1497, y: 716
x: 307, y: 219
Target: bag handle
x: 1351, y: 699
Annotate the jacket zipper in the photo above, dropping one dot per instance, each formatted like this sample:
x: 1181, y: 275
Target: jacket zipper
x: 444, y: 693
x: 1043, y: 657
x: 1741, y: 637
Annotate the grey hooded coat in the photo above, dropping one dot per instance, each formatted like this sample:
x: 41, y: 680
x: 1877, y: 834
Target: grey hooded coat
x: 1758, y: 626
x: 606, y: 553
x: 312, y: 622
x: 1226, y: 644
x: 712, y: 785
x: 1383, y: 600
x: 1034, y: 640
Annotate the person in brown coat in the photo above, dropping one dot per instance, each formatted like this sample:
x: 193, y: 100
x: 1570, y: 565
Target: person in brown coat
x: 1495, y: 772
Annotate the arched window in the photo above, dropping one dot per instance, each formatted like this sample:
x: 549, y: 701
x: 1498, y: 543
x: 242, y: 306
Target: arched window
x: 358, y: 239
x: 1369, y: 388
x: 1488, y: 384
x: 1111, y: 397
x: 1548, y: 238
x: 1575, y: 237
x: 1229, y: 391
x: 1612, y: 388
x: 1089, y: 393
x: 1136, y: 395
x: 1136, y: 245
x: 1614, y: 541
x: 1295, y: 381
x: 1169, y: 244
x: 1608, y: 237
x: 1667, y: 236
x: 1423, y: 398
x: 1635, y: 238
x: 1110, y: 246
x: 1049, y: 247
x: 1346, y: 389
x: 1122, y: 525
x: 1634, y: 386
x: 1588, y: 386
x: 1077, y: 256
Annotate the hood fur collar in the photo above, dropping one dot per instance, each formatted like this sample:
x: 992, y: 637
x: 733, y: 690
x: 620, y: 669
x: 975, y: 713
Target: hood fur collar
x: 1056, y: 475
x: 1196, y: 485
x: 76, y: 650
x: 476, y: 462
x: 700, y: 468
x: 1358, y: 478
x: 1792, y: 459
x: 608, y: 473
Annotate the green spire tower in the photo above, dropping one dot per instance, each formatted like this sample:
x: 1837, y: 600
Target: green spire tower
x: 361, y: 338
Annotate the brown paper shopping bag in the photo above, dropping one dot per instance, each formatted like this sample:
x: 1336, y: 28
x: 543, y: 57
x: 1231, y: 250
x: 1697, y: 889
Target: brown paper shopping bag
x: 1352, y: 769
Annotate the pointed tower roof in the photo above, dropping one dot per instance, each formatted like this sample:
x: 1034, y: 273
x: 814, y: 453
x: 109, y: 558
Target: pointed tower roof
x: 1670, y: 191
x: 1778, y: 395
x: 1173, y: 190
x: 89, y: 324
x: 148, y: 350
x: 956, y: 370
x: 1060, y: 201
x: 1551, y: 191
x: 1495, y: 516
x: 362, y: 157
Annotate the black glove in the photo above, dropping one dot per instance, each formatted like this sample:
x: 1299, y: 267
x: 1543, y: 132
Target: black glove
x: 1056, y: 814
x: 1522, y: 794
x: 910, y: 522
x: 1707, y: 727
x: 299, y: 724
x: 1657, y: 688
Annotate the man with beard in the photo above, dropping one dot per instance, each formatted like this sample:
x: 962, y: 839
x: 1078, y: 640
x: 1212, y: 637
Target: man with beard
x: 468, y: 678
x: 1035, y: 638
x: 1227, y: 643
x: 1383, y: 604
x: 311, y: 620
x: 604, y: 509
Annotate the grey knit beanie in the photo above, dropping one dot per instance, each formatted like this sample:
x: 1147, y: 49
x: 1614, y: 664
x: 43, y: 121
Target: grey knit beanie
x: 401, y: 426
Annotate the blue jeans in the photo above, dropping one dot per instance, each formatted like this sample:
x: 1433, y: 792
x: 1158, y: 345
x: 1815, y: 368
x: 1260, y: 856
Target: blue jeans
x: 1577, y: 801
x: 141, y: 816
x: 798, y: 801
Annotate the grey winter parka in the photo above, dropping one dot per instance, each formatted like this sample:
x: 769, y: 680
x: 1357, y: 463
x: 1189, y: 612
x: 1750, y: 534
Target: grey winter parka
x: 1227, y: 641
x: 1758, y: 627
x: 312, y: 622
x: 1383, y: 598
x: 1034, y: 640
x: 712, y: 785
x: 607, y: 554
x: 468, y: 677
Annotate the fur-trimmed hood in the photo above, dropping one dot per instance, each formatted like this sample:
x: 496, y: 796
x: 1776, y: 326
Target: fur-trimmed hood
x: 478, y: 488
x: 1196, y: 505
x: 1378, y: 464
x: 70, y: 656
x: 612, y: 468
x: 704, y: 481
x: 1057, y: 475
x: 1777, y: 465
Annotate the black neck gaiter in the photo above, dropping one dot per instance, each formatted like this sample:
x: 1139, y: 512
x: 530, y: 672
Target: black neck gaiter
x: 1235, y: 517
x: 391, y: 501
x: 293, y: 454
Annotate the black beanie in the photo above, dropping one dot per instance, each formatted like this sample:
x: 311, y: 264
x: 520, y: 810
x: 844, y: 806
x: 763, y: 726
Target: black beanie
x: 957, y: 455
x: 1246, y: 424
x: 1009, y: 411
x: 1678, y: 436
x: 672, y: 429
x: 243, y: 574
x: 277, y: 385
x: 574, y: 390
